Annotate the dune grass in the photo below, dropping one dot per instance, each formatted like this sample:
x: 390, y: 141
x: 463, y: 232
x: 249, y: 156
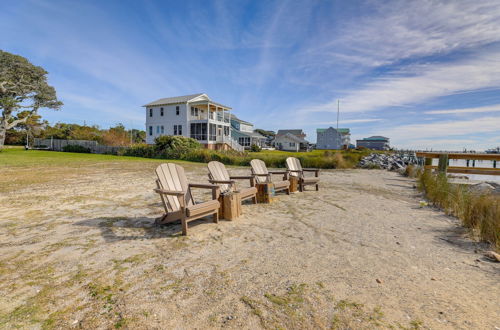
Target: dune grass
x: 478, y: 212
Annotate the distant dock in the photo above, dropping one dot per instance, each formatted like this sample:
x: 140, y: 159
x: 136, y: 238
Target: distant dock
x: 470, y: 158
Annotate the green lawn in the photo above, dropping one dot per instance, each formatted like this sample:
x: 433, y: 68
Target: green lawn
x: 17, y: 156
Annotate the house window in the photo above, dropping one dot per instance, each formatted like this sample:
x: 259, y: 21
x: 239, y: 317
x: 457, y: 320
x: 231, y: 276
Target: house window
x: 157, y: 129
x: 226, y: 130
x: 244, y: 141
x: 179, y: 128
x: 177, y: 110
x: 150, y: 130
x: 162, y: 129
x: 292, y: 144
x: 194, y: 112
x: 150, y: 112
x: 175, y: 129
x: 199, y: 131
x: 161, y: 112
x: 212, y: 136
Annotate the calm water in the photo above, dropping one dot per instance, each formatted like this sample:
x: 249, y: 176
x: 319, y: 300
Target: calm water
x: 479, y: 163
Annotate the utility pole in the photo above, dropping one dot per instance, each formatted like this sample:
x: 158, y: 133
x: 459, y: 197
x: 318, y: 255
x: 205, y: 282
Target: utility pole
x: 338, y: 112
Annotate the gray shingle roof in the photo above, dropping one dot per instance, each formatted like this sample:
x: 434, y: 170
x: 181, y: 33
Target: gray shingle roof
x: 293, y: 138
x: 291, y: 131
x: 173, y: 100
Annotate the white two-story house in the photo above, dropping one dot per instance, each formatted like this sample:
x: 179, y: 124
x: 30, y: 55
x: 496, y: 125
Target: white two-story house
x: 195, y: 116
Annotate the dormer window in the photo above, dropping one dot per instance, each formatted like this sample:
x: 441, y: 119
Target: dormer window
x: 161, y: 112
x: 177, y: 110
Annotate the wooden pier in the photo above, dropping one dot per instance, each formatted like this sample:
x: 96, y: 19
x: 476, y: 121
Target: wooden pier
x: 470, y: 158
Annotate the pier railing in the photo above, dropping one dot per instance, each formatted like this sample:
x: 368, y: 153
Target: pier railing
x: 470, y: 158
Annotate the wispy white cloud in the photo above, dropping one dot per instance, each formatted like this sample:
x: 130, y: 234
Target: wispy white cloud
x: 420, y: 83
x: 447, y: 128
x: 489, y: 108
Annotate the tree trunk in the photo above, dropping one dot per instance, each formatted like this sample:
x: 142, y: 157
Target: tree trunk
x: 3, y: 133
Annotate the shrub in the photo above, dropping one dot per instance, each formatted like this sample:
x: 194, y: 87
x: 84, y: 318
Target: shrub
x: 255, y: 148
x: 75, y: 148
x: 174, y: 147
x: 139, y: 150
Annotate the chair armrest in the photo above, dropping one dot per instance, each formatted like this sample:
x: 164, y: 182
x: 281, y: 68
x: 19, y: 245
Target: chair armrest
x: 169, y: 192
x: 215, y: 188
x: 297, y: 171
x: 203, y: 185
x: 244, y: 177
x: 222, y: 181
x: 261, y: 174
x: 278, y: 172
x: 241, y: 177
x: 311, y: 169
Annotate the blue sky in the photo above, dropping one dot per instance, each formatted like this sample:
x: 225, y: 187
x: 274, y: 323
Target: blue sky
x: 424, y: 73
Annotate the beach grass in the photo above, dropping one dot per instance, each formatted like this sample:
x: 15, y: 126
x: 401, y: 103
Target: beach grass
x: 480, y: 212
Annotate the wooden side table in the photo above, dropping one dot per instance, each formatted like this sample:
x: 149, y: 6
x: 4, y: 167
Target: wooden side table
x: 230, y: 206
x: 294, y: 183
x: 265, y: 192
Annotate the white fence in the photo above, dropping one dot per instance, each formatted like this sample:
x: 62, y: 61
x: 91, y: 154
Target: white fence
x: 58, y: 145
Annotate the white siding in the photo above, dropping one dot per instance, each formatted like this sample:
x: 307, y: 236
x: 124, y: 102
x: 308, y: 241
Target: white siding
x: 284, y: 143
x: 168, y: 120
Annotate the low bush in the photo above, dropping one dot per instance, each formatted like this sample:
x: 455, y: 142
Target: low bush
x: 76, y: 148
x: 139, y: 150
x: 478, y: 212
x: 175, y: 147
x: 255, y: 148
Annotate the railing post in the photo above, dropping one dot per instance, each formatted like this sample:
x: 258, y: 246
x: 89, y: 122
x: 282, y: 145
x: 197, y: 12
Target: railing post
x: 443, y: 163
x: 427, y: 162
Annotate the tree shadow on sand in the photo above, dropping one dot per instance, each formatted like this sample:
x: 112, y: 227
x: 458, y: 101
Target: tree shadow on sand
x: 120, y: 228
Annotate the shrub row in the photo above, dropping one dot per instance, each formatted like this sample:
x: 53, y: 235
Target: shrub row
x: 182, y: 148
x: 478, y: 212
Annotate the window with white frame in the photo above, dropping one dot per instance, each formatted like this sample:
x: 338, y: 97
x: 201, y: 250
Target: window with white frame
x: 177, y: 110
x: 292, y: 144
x: 162, y: 129
x: 244, y: 141
x: 161, y: 112
x: 150, y: 130
x: 179, y: 129
x: 150, y: 112
x: 157, y: 129
x: 175, y: 129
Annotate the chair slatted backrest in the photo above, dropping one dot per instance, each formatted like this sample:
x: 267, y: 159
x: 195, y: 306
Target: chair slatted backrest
x: 172, y: 177
x: 217, y: 171
x: 259, y: 167
x: 293, y: 164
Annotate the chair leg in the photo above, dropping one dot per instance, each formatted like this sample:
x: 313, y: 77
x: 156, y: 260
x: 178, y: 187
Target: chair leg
x: 317, y: 187
x: 184, y: 226
x: 215, y: 217
x: 288, y: 191
x: 254, y: 199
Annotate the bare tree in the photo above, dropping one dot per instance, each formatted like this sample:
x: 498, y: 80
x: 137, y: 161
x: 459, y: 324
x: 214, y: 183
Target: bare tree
x: 23, y: 90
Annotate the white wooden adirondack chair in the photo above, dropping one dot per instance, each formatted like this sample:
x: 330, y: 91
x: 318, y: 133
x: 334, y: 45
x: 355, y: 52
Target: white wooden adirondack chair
x: 295, y: 169
x: 262, y: 175
x: 179, y: 204
x: 218, y: 174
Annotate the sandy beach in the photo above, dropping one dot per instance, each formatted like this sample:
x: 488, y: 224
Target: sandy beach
x: 79, y: 250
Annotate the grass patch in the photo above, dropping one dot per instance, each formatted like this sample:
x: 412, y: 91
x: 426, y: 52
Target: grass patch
x: 478, y: 212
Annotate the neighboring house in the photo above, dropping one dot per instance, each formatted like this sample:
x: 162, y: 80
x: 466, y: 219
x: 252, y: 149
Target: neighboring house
x: 331, y: 138
x: 195, y: 116
x: 374, y: 142
x: 291, y: 140
x: 243, y: 132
